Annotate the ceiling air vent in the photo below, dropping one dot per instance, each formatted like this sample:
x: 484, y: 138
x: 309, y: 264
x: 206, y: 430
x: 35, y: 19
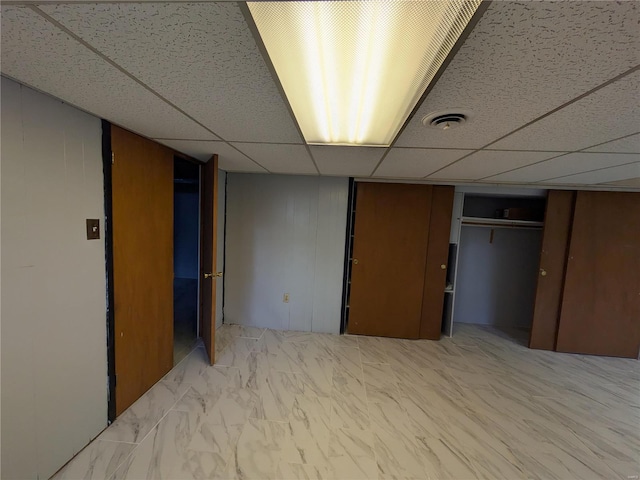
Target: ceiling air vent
x: 444, y: 121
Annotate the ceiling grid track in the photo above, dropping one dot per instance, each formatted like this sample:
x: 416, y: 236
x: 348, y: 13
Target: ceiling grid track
x: 589, y: 171
x: 94, y: 50
x: 551, y: 112
x: 583, y: 150
x: 480, y: 11
x: 532, y: 107
x: 267, y: 60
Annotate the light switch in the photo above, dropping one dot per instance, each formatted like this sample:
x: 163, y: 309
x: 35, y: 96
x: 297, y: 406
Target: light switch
x: 93, y: 229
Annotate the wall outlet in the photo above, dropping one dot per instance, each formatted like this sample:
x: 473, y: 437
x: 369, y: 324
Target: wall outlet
x: 285, y: 298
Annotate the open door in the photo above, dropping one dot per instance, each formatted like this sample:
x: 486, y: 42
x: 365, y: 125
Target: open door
x: 142, y: 198
x: 208, y: 249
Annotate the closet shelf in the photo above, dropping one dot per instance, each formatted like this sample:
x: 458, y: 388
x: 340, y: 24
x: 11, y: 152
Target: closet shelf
x: 500, y: 222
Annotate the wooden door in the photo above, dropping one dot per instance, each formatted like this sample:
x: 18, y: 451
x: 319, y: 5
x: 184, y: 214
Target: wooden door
x: 389, y: 257
x: 142, y: 196
x: 553, y: 259
x: 601, y: 301
x: 208, y: 249
x: 435, y: 272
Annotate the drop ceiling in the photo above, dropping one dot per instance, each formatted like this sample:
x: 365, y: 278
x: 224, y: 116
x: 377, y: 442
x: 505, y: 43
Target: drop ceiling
x: 552, y: 88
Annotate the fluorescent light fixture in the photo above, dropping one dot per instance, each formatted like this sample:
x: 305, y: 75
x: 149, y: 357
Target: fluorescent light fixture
x: 354, y: 70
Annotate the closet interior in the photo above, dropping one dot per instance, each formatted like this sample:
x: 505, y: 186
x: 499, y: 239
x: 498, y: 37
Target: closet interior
x: 494, y: 254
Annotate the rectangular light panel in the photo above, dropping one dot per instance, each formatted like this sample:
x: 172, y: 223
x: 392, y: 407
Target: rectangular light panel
x: 352, y: 71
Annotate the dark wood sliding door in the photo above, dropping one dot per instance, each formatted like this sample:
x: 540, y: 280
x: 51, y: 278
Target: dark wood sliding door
x: 435, y: 273
x: 601, y: 301
x: 389, y: 257
x: 553, y: 259
x: 142, y: 193
x: 400, y: 247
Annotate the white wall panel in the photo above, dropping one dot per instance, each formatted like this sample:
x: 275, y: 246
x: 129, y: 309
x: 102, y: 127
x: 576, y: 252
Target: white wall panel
x: 54, y: 359
x: 285, y: 234
x: 496, y: 276
x: 329, y: 265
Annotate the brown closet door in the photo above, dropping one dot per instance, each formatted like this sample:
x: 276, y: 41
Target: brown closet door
x: 553, y: 259
x: 142, y: 192
x: 435, y: 273
x: 601, y: 302
x: 208, y: 249
x: 389, y: 256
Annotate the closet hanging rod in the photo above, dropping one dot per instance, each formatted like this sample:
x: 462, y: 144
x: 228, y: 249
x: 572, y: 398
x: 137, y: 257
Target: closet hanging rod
x: 500, y: 223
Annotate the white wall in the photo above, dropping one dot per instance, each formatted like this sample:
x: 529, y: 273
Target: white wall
x: 54, y: 357
x: 285, y: 234
x: 496, y: 281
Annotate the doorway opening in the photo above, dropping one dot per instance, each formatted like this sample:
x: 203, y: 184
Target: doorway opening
x: 186, y: 234
x: 496, y: 271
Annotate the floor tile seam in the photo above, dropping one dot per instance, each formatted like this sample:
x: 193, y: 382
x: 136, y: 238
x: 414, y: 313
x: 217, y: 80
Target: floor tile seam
x: 96, y: 440
x: 124, y: 460
x: 170, y: 409
x: 195, y: 347
x: 244, y: 360
x: 176, y: 408
x: 396, y: 383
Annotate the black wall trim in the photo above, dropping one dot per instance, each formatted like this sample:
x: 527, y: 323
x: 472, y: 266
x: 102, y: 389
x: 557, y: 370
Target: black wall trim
x: 344, y: 318
x: 108, y: 243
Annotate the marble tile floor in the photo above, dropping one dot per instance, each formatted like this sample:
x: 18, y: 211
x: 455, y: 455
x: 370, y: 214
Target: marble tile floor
x: 295, y: 405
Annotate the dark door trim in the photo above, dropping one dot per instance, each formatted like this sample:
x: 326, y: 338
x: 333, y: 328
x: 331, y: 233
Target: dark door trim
x: 108, y: 245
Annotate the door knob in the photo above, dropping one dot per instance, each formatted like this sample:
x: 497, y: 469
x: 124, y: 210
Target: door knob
x: 443, y: 266
x: 208, y: 275
x: 355, y: 261
x: 218, y: 274
x: 543, y: 272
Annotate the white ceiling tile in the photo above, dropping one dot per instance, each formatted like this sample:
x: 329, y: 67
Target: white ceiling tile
x: 200, y: 56
x: 624, y: 145
x: 416, y: 162
x: 40, y: 55
x: 346, y: 161
x: 570, y: 164
x: 612, y: 174
x: 611, y: 112
x: 44, y: 2
x: 524, y: 59
x: 229, y: 158
x: 279, y: 158
x: 490, y: 162
x: 629, y: 182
